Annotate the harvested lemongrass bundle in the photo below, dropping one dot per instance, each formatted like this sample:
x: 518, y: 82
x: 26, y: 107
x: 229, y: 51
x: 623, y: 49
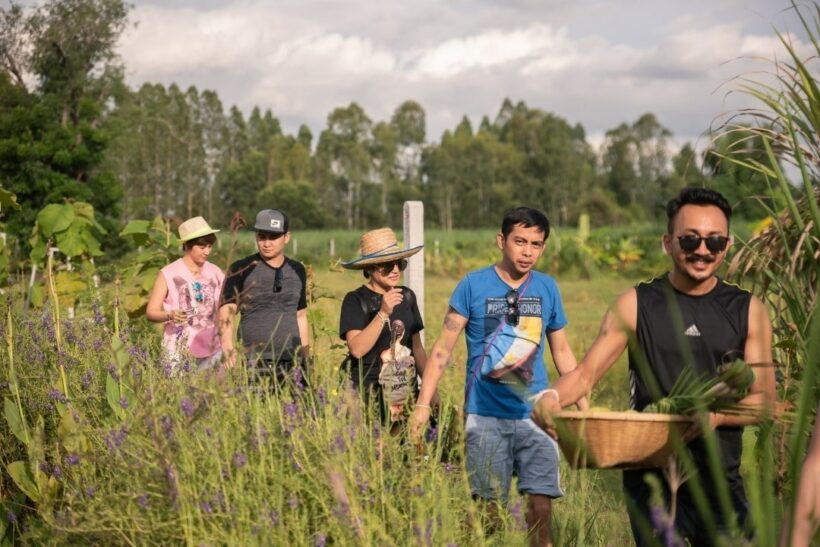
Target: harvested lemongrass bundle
x: 693, y: 392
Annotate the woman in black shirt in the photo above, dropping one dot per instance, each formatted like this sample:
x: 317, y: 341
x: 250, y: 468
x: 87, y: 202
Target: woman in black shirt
x: 381, y: 323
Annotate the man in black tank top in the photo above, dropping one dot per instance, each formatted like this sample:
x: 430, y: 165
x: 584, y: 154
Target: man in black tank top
x: 687, y: 317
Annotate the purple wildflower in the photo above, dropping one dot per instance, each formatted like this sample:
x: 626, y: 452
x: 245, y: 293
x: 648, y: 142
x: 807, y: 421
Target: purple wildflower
x: 167, y: 427
x: 339, y: 444
x: 298, y: 379
x: 90, y: 491
x: 112, y: 370
x: 88, y: 377
x: 71, y: 459
x: 57, y: 395
x: 142, y: 501
x: 320, y: 541
x: 341, y: 511
x: 665, y: 526
x: 448, y: 467
x: 291, y: 410
x: 206, y: 507
x: 321, y: 396
x: 99, y: 318
x: 515, y: 511
x: 43, y: 467
x: 114, y: 439
x: 239, y: 460
x: 274, y: 517
x: 293, y: 501
x: 187, y: 407
x: 123, y: 403
x: 11, y: 517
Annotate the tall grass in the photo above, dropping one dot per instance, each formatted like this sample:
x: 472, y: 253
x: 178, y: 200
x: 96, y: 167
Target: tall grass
x: 784, y: 260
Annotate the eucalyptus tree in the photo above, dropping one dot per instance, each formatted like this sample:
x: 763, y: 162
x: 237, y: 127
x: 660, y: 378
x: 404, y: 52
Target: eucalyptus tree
x: 343, y: 163
x: 635, y: 162
x: 558, y: 163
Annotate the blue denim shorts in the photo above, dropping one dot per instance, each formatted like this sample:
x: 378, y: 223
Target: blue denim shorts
x: 497, y: 449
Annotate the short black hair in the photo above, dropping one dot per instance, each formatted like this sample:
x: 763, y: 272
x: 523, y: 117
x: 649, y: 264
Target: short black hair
x: 696, y: 196
x: 527, y: 217
x: 209, y: 239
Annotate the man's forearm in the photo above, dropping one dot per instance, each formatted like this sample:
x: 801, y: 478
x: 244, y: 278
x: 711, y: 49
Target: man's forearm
x: 571, y: 387
x: 750, y: 410
x: 433, y: 369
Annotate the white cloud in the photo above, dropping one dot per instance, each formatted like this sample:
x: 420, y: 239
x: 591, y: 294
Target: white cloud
x: 302, y: 59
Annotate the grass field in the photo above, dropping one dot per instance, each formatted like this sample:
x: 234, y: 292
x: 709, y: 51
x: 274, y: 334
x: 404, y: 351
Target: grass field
x: 593, y: 497
x: 183, y: 461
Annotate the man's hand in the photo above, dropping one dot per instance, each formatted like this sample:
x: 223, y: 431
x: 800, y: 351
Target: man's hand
x: 543, y: 411
x: 418, y: 423
x: 228, y: 357
x: 712, y: 420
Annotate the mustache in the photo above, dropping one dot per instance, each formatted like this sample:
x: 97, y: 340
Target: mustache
x: 704, y: 258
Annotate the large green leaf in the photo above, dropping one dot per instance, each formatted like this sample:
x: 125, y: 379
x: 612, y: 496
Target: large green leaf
x: 84, y: 211
x: 16, y: 422
x: 55, y: 218
x: 8, y: 199
x: 112, y: 395
x: 19, y: 472
x: 136, y: 227
x: 70, y: 242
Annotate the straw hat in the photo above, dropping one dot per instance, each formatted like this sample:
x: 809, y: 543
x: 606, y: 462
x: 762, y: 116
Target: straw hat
x: 194, y: 228
x: 377, y: 247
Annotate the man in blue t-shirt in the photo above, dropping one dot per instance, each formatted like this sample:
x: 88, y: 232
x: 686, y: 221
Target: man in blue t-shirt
x: 509, y: 311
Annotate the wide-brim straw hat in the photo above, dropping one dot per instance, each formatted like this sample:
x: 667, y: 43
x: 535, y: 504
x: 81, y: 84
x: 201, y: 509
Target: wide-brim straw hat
x: 194, y: 228
x: 377, y: 247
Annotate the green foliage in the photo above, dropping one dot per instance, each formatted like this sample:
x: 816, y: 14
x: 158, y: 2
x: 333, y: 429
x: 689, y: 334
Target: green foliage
x: 72, y: 227
x: 51, y: 144
x: 298, y: 198
x: 158, y: 246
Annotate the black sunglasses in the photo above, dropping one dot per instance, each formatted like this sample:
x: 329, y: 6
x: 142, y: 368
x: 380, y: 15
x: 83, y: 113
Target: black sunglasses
x: 277, y: 281
x: 715, y: 244
x: 388, y: 267
x: 512, y: 307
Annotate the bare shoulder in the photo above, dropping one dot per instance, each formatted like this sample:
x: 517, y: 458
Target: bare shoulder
x: 758, y: 315
x: 625, y: 309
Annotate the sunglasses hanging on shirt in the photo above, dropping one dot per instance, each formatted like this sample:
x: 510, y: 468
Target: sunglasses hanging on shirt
x: 512, y: 307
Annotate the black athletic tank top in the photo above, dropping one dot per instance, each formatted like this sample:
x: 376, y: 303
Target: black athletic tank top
x: 675, y: 329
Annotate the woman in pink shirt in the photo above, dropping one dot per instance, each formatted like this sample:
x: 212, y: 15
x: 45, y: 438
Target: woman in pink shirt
x: 185, y: 297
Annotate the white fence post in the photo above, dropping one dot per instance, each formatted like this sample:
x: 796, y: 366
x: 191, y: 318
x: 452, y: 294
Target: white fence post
x: 413, y: 237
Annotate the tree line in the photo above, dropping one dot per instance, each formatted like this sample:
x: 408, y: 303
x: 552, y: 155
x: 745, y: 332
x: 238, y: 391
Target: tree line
x: 71, y: 129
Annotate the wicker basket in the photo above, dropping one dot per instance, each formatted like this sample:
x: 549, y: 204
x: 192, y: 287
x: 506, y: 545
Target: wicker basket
x: 623, y: 440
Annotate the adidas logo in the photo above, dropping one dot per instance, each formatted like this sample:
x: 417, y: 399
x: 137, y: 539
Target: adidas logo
x: 692, y: 330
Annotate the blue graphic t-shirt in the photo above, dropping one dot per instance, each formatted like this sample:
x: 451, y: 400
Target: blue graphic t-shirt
x: 510, y: 357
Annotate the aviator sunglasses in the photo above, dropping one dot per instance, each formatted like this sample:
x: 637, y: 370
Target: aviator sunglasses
x: 386, y: 268
x: 277, y: 280
x: 512, y: 307
x: 715, y: 244
x: 198, y: 296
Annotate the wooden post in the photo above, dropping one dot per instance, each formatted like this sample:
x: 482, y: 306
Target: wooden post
x: 413, y: 237
x: 332, y: 247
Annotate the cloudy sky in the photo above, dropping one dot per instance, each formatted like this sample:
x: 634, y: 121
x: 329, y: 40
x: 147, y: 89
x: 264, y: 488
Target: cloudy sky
x: 594, y: 62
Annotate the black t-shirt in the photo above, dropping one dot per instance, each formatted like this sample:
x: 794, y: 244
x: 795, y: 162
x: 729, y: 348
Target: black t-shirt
x: 267, y: 326
x: 359, y: 307
x: 713, y: 327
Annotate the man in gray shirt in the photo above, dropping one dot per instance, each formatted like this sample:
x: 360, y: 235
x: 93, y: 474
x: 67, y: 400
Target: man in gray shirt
x: 268, y: 290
